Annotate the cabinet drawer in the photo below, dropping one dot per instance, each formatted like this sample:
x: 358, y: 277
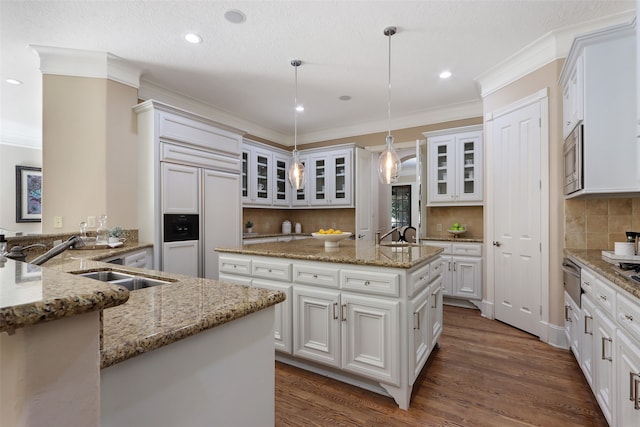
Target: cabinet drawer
x: 232, y: 265
x: 587, y: 282
x: 317, y: 276
x: 435, y: 268
x: 418, y: 280
x: 387, y: 284
x: 177, y: 153
x: 444, y: 245
x: 628, y: 315
x: 605, y: 296
x: 271, y: 270
x: 470, y: 249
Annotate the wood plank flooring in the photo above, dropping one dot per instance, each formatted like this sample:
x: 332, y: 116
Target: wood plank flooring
x: 485, y: 373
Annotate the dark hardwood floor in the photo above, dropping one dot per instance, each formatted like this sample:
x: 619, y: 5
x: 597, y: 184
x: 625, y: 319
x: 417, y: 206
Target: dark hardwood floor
x: 485, y: 373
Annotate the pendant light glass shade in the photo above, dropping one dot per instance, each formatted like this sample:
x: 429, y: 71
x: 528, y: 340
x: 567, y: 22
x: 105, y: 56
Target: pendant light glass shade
x: 389, y: 164
x: 296, y: 170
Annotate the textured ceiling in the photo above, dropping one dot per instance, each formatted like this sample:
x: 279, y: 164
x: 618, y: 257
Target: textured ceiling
x: 244, y: 69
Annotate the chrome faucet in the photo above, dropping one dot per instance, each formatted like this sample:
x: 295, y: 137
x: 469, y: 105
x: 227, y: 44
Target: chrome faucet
x: 75, y: 241
x: 379, y: 237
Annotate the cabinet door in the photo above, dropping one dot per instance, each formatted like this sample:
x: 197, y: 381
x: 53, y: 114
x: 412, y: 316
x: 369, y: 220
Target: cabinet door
x: 341, y: 178
x: 441, y: 163
x: 179, y: 189
x: 244, y: 181
x: 319, y: 184
x: 587, y: 347
x: 628, y: 381
x: 282, y: 189
x: 435, y: 311
x: 317, y: 325
x: 571, y: 325
x: 469, y: 167
x: 262, y: 177
x: 301, y: 197
x: 605, y: 374
x: 282, y: 328
x: 572, y: 99
x: 420, y: 338
x: 447, y: 276
x: 181, y: 257
x: 467, y: 277
x: 370, y: 337
x: 222, y: 227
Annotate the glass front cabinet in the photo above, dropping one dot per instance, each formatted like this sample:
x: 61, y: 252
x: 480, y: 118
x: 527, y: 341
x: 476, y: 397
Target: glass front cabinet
x: 455, y: 166
x: 331, y: 178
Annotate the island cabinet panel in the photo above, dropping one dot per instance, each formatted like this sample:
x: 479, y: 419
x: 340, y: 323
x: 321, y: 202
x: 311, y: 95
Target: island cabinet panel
x: 420, y: 344
x: 418, y: 279
x: 628, y: 381
x: 316, y: 316
x: 235, y: 265
x: 271, y: 270
x: 370, y: 337
x: 282, y: 327
x: 435, y: 310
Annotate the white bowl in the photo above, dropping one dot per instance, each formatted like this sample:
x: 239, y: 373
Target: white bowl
x: 331, y: 240
x: 456, y: 232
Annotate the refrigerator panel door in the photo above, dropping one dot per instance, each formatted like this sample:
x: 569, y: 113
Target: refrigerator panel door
x: 221, y: 216
x: 181, y: 257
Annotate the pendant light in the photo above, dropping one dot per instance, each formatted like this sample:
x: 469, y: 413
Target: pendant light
x: 389, y: 164
x: 296, y: 170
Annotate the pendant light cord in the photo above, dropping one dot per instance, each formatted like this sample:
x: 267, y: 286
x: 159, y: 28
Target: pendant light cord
x: 389, y: 32
x: 295, y: 112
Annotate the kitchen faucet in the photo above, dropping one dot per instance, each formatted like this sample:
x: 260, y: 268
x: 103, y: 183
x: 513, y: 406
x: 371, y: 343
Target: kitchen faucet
x: 18, y: 254
x: 379, y: 237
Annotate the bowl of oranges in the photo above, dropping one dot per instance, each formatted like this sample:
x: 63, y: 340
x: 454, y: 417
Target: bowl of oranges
x: 331, y: 237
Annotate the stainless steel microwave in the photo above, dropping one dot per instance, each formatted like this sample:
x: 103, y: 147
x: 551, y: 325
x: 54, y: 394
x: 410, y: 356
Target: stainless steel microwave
x: 573, y: 161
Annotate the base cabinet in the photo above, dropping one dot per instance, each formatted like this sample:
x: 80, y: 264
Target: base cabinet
x: 461, y: 269
x: 366, y: 325
x: 606, y: 334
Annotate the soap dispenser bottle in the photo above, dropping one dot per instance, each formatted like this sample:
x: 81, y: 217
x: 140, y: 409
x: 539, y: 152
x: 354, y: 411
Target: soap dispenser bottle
x: 3, y: 245
x: 102, y: 233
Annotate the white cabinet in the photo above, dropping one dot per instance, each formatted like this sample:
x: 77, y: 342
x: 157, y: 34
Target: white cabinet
x: 300, y: 198
x: 281, y: 187
x: 282, y: 327
x: 181, y: 257
x: 331, y: 178
x: 426, y: 321
x: 455, y: 167
x: 265, y: 180
x: 179, y: 189
x: 261, y: 187
x: 627, y: 381
x: 605, y: 102
x: 435, y: 310
x: 572, y: 317
x: 609, y: 353
x: 461, y: 269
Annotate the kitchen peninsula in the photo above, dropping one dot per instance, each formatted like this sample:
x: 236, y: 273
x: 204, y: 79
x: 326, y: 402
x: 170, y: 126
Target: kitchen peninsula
x: 364, y: 314
x: 76, y: 351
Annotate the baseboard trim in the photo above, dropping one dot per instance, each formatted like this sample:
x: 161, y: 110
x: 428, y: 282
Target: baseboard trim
x: 488, y: 309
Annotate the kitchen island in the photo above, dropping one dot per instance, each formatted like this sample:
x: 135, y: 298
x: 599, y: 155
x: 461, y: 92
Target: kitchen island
x: 364, y: 314
x: 76, y: 351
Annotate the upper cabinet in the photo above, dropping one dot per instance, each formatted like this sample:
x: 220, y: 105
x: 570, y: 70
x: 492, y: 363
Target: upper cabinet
x: 599, y: 91
x: 329, y: 177
x: 454, y: 166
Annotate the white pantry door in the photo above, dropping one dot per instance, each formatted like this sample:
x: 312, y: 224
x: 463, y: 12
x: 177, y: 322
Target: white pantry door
x: 517, y: 217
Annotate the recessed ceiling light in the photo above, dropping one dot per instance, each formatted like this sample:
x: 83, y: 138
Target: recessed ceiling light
x: 13, y: 82
x: 300, y: 108
x: 235, y: 16
x: 193, y: 38
x: 445, y: 74
x: 345, y: 98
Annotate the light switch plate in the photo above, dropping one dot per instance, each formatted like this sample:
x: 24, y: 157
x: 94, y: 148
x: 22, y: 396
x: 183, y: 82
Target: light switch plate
x: 91, y: 221
x: 57, y: 222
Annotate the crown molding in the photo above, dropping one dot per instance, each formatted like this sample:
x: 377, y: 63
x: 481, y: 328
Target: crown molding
x: 86, y: 63
x: 550, y: 47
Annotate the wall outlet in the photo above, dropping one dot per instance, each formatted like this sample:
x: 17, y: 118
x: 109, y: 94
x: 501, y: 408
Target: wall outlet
x: 91, y: 221
x: 333, y: 225
x: 57, y: 222
x: 438, y: 227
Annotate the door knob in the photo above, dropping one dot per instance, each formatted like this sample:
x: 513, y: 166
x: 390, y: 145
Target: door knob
x: 497, y: 243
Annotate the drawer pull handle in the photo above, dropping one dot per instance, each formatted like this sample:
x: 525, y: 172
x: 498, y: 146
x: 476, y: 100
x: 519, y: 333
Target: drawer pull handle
x: 269, y: 271
x: 603, y: 297
x: 628, y: 317
x: 603, y: 355
x: 567, y: 318
x: 585, y: 325
x: 636, y: 389
x: 344, y: 312
x: 315, y: 276
x: 416, y: 325
x: 335, y: 314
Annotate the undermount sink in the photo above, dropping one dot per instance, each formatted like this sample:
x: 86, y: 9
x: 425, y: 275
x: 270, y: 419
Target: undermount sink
x: 130, y: 281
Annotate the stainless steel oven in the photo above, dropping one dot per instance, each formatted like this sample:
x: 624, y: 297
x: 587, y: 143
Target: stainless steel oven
x: 573, y: 161
x: 571, y: 280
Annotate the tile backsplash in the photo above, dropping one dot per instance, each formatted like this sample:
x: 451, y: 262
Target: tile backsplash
x: 599, y: 223
x: 269, y: 221
x: 471, y: 217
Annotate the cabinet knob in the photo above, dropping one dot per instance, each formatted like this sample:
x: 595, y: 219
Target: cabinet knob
x: 498, y: 244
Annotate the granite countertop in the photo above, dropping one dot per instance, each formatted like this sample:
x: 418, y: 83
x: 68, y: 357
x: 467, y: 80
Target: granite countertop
x: 348, y: 252
x: 454, y: 239
x: 592, y: 259
x: 249, y: 236
x: 133, y: 322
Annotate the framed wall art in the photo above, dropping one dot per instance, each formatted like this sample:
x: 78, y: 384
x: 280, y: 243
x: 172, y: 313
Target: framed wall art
x: 28, y: 194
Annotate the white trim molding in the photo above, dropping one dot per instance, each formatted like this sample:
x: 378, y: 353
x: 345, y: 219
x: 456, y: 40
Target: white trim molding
x: 86, y: 63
